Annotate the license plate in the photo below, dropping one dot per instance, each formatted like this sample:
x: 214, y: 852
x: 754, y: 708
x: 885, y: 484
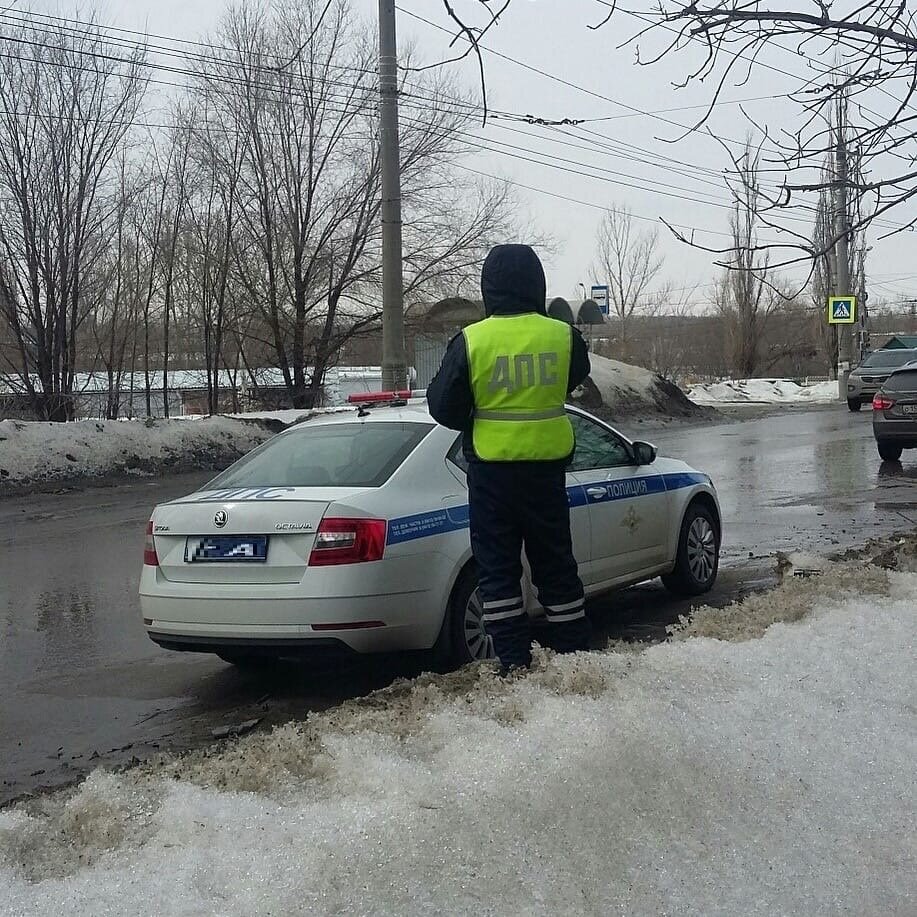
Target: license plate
x: 225, y: 549
x: 909, y: 408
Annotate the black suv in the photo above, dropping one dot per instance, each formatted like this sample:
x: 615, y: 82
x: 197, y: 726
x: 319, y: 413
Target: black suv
x: 894, y: 413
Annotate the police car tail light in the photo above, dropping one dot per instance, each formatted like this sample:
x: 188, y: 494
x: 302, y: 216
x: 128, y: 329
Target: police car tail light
x: 150, y: 558
x: 882, y: 402
x: 348, y: 541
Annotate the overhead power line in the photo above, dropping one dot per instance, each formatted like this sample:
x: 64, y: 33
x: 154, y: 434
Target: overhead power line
x: 526, y: 154
x: 562, y: 164
x: 821, y: 70
x: 475, y: 140
x: 435, y: 100
x: 559, y: 163
x: 632, y: 109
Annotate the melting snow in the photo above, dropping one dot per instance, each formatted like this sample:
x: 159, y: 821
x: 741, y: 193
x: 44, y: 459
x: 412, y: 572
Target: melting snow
x: 763, y: 391
x: 36, y: 451
x: 763, y: 776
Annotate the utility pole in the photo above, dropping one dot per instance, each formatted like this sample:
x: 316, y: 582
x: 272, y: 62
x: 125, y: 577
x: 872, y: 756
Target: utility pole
x: 394, y: 369
x: 842, y: 230
x: 832, y: 286
x: 862, y: 343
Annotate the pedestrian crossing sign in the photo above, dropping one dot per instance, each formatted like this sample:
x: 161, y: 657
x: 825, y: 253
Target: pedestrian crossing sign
x: 842, y: 310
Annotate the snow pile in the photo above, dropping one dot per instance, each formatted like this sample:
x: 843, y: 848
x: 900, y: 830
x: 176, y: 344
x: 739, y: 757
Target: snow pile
x: 286, y: 416
x: 33, y: 452
x: 763, y: 391
x: 702, y: 776
x: 622, y: 389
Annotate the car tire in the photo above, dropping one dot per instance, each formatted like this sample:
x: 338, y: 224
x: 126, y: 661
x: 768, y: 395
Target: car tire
x: 698, y: 557
x: 889, y: 452
x: 251, y: 661
x: 854, y: 404
x: 463, y: 638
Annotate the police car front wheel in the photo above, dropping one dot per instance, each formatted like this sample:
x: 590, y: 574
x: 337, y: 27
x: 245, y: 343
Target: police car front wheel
x: 698, y: 557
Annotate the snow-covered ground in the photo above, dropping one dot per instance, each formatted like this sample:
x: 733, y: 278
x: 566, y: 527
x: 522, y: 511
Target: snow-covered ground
x: 286, y: 416
x: 725, y: 772
x: 32, y: 452
x: 763, y: 391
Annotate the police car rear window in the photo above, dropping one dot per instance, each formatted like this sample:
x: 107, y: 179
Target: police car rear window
x: 905, y: 381
x: 327, y: 455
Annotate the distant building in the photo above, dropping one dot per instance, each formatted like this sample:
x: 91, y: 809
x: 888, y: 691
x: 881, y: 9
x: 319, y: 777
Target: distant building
x: 432, y: 325
x: 188, y: 392
x: 900, y: 342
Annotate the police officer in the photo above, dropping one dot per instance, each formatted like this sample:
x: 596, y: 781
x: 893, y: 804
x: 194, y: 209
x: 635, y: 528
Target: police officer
x: 503, y: 383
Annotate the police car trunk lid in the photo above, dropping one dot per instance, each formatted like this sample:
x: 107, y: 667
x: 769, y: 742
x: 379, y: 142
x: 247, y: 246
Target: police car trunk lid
x: 187, y: 530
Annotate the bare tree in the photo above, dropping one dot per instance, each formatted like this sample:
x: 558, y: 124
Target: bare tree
x: 114, y: 318
x: 212, y: 240
x: 865, y: 52
x: 174, y: 178
x: 629, y: 261
x: 873, y: 46
x: 744, y: 296
x: 668, y: 351
x: 822, y: 283
x: 824, y: 273
x: 244, y: 234
x: 307, y: 245
x: 61, y: 125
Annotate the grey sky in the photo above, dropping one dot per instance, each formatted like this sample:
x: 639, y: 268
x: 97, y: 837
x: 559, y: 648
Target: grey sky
x: 553, y: 35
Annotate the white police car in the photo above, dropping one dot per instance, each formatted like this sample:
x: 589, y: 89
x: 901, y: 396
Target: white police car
x: 350, y: 530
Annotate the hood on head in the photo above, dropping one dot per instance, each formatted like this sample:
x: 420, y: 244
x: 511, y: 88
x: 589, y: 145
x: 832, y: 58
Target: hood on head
x: 512, y: 281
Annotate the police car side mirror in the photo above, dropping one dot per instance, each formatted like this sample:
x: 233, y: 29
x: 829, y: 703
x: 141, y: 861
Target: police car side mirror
x: 644, y: 453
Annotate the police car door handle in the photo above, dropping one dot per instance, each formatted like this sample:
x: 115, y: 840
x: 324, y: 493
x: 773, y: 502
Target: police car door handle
x: 596, y: 492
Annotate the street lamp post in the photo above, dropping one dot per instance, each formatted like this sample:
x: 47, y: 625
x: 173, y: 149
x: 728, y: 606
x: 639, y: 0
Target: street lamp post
x: 394, y: 368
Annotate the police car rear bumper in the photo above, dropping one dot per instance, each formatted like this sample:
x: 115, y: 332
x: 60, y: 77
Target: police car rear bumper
x: 265, y: 646
x: 357, y: 636
x: 363, y: 624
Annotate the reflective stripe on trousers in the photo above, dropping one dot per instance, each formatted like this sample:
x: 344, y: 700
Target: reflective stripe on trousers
x: 568, y: 611
x: 503, y: 609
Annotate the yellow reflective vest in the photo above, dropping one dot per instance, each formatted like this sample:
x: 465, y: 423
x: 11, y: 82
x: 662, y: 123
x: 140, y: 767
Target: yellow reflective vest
x: 519, y: 367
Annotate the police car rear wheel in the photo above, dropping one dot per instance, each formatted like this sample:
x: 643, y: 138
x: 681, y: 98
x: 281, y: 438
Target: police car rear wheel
x: 477, y: 643
x: 697, y: 561
x: 465, y: 635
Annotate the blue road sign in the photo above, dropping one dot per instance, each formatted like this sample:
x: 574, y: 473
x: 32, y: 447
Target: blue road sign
x: 842, y: 310
x: 599, y: 295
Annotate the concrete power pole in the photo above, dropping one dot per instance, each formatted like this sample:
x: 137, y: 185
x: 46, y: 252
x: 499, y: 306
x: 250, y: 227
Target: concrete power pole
x: 394, y: 369
x: 842, y: 230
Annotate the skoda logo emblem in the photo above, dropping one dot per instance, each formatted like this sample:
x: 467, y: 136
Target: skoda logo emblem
x: 221, y: 517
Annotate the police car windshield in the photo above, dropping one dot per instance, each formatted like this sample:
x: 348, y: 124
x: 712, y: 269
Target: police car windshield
x: 327, y: 455
x: 890, y: 358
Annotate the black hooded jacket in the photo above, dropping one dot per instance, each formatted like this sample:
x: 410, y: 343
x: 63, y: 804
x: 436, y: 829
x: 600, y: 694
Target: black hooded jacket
x: 512, y: 283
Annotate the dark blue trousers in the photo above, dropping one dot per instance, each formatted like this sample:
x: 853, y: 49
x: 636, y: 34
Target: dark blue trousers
x: 524, y: 505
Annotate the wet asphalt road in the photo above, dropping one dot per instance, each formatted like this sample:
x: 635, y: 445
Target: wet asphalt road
x: 81, y: 684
